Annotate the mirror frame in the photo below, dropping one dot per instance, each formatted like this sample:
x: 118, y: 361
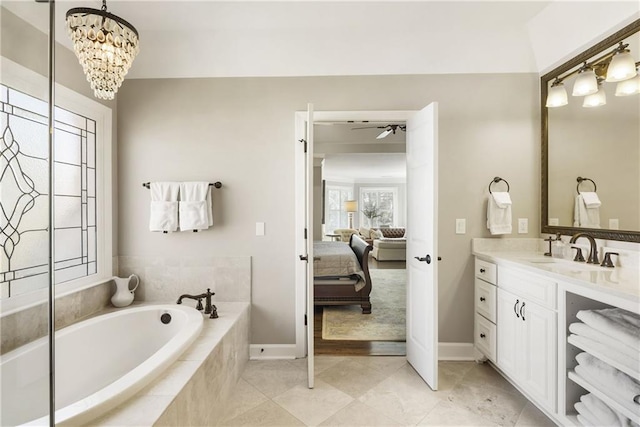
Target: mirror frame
x: 609, y: 42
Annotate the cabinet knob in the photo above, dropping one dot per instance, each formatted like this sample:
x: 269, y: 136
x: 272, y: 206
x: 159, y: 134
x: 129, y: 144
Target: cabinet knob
x: 482, y: 270
x: 482, y: 298
x: 482, y: 335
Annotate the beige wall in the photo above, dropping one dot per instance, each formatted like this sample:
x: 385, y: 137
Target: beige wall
x: 241, y: 131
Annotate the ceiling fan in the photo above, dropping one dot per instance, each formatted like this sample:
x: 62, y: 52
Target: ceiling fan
x: 388, y: 129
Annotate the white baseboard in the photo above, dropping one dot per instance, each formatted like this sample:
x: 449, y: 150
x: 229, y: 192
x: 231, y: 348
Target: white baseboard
x: 446, y: 351
x: 456, y: 351
x: 272, y: 351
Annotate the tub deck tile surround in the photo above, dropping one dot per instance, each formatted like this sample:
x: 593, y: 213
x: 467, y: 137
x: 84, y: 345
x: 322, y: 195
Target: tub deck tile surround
x: 194, y: 389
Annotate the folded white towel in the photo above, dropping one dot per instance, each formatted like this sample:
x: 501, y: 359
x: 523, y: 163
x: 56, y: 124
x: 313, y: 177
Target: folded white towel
x: 588, y: 416
x: 194, y: 213
x: 603, y: 413
x: 632, y: 364
x: 616, y: 327
x: 621, y: 316
x: 498, y: 219
x: 163, y: 215
x: 584, y: 330
x: 502, y: 198
x: 584, y: 216
x: 585, y: 422
x: 591, y: 199
x: 615, y: 384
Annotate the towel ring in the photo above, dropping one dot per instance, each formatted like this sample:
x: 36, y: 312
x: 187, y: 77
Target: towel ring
x: 580, y: 179
x: 496, y: 180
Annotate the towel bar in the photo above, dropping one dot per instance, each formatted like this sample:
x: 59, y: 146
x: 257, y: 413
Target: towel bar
x: 496, y: 180
x: 216, y: 184
x: 580, y: 179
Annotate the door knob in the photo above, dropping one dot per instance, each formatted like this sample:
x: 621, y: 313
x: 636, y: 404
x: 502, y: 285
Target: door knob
x: 426, y: 259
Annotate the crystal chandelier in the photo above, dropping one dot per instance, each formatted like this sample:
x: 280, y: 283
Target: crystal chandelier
x: 105, y: 45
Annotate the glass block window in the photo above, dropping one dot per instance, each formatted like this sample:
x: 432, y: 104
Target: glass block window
x: 24, y: 189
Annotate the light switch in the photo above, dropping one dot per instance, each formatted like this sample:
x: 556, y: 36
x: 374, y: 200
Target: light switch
x: 554, y: 221
x: 259, y: 228
x: 461, y: 226
x: 523, y: 225
x: 614, y: 224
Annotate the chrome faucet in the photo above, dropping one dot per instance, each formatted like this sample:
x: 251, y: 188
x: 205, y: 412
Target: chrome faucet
x: 208, y: 308
x: 593, y: 251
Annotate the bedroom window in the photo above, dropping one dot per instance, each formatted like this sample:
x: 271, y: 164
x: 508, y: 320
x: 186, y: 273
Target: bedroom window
x: 381, y: 206
x: 336, y: 216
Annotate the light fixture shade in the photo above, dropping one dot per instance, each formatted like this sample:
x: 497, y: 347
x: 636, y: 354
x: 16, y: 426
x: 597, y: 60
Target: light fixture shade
x: 621, y: 67
x: 557, y: 95
x: 105, y: 45
x: 595, y: 99
x: 629, y: 86
x: 351, y: 205
x: 586, y: 83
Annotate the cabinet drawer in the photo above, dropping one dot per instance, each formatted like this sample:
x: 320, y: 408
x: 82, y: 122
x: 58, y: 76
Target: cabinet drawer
x: 486, y: 271
x: 529, y: 286
x: 485, y: 337
x: 485, y: 297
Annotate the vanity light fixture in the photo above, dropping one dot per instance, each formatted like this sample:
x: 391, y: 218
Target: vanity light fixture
x: 105, y: 45
x: 557, y: 96
x: 622, y: 65
x: 629, y: 86
x: 586, y: 83
x: 596, y: 99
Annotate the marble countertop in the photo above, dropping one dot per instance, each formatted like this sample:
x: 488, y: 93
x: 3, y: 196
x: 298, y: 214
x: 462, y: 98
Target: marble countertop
x: 622, y: 282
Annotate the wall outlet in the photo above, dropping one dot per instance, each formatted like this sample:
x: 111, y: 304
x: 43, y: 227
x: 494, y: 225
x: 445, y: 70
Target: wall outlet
x: 554, y: 221
x: 523, y: 225
x: 614, y: 224
x: 259, y: 228
x: 461, y: 226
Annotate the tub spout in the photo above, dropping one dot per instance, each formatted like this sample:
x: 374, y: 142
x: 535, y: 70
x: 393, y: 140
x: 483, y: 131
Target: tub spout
x: 208, y: 308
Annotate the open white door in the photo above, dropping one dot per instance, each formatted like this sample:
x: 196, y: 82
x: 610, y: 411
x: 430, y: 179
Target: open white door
x: 422, y: 243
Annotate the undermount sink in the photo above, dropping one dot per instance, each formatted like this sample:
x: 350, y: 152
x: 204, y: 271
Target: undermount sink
x: 543, y: 261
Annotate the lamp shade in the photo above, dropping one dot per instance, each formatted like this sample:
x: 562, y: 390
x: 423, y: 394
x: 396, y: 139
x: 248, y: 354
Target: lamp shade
x: 557, y: 95
x: 586, y: 83
x: 629, y: 86
x: 351, y: 205
x: 595, y: 99
x: 621, y: 67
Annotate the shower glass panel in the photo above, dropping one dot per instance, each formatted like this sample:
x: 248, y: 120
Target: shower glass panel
x: 24, y: 212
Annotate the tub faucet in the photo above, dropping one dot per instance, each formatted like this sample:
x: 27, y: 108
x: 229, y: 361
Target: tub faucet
x: 208, y: 308
x: 593, y: 251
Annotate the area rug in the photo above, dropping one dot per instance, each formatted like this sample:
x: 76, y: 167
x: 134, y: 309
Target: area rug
x: 388, y: 315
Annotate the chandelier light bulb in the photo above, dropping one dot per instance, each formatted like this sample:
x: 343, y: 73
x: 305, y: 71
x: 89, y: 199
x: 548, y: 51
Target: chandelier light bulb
x: 105, y: 45
x: 595, y: 99
x: 586, y: 83
x: 621, y: 67
x: 629, y: 86
x: 557, y: 95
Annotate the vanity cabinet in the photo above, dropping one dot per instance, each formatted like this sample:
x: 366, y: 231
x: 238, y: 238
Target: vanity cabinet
x: 485, y: 309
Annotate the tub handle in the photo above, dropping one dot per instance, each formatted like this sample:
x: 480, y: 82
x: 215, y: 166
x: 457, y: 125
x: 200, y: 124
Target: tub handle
x: 137, y: 282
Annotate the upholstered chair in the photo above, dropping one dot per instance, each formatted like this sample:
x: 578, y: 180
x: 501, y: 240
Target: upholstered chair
x: 345, y: 233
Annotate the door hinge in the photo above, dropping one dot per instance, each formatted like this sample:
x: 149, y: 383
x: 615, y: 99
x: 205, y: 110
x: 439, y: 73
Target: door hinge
x: 305, y: 144
x: 305, y: 234
x: 305, y: 320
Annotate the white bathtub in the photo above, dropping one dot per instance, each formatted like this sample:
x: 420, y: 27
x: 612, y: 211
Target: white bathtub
x: 100, y: 363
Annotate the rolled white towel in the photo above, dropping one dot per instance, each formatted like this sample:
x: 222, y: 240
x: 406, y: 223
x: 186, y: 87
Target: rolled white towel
x: 602, y: 413
x: 615, y: 384
x: 617, y: 328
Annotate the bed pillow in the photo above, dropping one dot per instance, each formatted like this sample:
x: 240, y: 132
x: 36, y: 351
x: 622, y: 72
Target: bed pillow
x: 376, y: 234
x: 365, y: 232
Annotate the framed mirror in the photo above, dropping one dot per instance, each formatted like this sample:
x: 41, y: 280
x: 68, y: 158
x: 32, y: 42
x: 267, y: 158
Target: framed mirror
x: 591, y: 143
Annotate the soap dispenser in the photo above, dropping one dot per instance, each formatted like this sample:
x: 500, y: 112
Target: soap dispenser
x: 558, y: 247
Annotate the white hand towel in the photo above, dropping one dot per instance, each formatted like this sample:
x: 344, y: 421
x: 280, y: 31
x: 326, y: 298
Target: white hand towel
x: 194, y: 214
x: 625, y: 332
x: 605, y: 415
x: 163, y: 215
x: 498, y: 219
x: 615, y: 384
x: 502, y: 198
x: 584, y: 216
x: 591, y: 199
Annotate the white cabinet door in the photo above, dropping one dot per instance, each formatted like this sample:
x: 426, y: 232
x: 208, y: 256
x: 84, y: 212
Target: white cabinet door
x: 539, y: 353
x: 508, y: 326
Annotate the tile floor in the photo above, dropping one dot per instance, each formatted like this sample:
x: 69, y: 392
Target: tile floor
x: 376, y: 391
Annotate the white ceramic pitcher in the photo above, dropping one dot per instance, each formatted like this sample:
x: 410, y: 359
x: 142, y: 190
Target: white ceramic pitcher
x: 124, y: 296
